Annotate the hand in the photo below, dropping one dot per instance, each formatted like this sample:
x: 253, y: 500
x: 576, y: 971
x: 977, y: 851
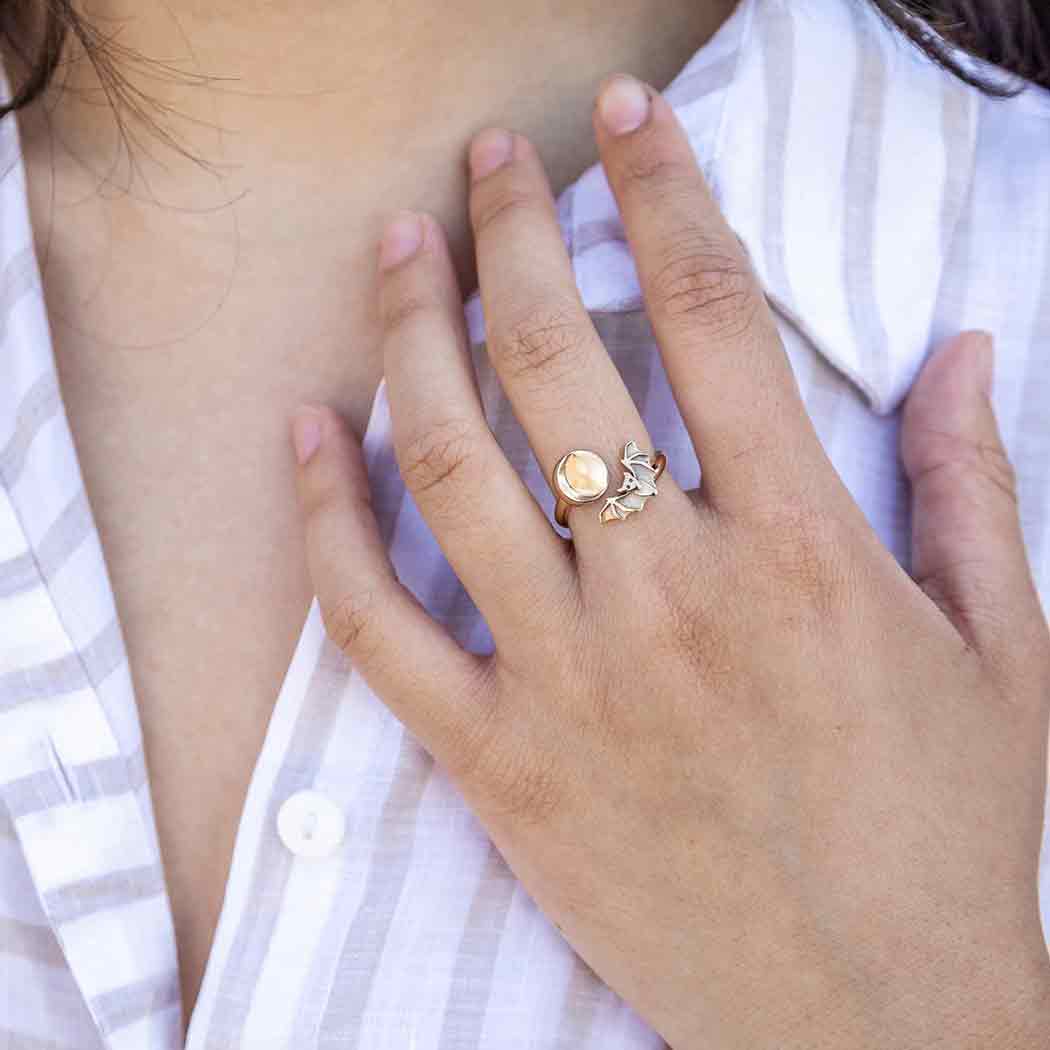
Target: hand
x: 773, y: 791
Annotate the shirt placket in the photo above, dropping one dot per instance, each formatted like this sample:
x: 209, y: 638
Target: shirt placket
x: 75, y: 801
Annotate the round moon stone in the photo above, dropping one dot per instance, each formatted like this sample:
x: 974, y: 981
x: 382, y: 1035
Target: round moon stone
x: 582, y: 476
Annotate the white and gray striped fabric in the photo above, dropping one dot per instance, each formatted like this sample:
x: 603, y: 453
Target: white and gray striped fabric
x: 884, y: 204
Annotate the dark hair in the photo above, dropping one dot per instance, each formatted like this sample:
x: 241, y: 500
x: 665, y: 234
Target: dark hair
x: 1011, y: 34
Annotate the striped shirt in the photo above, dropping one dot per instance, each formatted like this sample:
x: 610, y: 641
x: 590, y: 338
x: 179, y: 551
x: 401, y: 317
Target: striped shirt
x: 884, y: 204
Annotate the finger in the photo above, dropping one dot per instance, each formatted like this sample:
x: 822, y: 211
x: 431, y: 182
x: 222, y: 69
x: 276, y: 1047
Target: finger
x: 968, y: 553
x: 558, y: 376
x: 493, y: 532
x: 729, y: 372
x: 428, y: 681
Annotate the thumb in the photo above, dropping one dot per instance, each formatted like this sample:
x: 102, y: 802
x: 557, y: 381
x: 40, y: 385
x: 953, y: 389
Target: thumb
x: 967, y: 548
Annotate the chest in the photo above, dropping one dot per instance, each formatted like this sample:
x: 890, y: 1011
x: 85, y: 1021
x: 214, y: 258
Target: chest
x: 178, y: 375
x: 179, y: 415
x: 194, y: 500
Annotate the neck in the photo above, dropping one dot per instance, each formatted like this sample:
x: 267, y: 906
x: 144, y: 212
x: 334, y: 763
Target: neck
x: 286, y: 131
x: 219, y: 78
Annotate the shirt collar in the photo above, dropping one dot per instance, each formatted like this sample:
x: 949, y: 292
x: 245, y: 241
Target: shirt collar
x: 841, y: 156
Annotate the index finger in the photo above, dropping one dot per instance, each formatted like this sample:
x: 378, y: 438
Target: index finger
x: 728, y: 369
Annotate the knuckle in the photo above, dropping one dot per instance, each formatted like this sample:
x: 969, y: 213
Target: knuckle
x: 650, y: 170
x: 973, y: 605
x: 511, y: 760
x: 495, y: 204
x: 527, y: 787
x: 682, y: 616
x: 543, y: 344
x: 405, y: 307
x: 992, y: 464
x: 349, y: 621
x: 471, y: 739
x: 706, y: 284
x: 520, y: 784
x: 679, y: 597
x: 955, y: 461
x: 802, y: 563
x: 437, y: 456
x: 599, y: 714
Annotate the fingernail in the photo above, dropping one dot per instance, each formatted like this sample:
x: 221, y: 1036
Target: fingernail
x: 984, y: 348
x: 401, y: 239
x: 623, y: 105
x: 491, y: 149
x: 306, y: 433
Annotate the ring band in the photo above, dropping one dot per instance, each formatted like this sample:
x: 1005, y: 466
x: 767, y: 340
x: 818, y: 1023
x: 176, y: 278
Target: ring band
x: 581, y: 476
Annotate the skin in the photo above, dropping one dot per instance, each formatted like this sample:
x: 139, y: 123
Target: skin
x: 781, y: 845
x: 192, y: 310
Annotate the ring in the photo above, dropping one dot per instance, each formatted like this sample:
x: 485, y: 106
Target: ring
x: 581, y: 476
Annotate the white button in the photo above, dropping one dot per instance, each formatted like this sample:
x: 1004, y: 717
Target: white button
x: 310, y: 824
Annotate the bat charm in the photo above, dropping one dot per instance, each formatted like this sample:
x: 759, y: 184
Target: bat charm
x: 639, y: 483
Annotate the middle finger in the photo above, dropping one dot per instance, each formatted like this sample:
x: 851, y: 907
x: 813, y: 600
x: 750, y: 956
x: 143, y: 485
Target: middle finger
x: 557, y: 375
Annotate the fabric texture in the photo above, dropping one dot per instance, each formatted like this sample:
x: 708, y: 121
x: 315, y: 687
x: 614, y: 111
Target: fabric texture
x: 885, y: 205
